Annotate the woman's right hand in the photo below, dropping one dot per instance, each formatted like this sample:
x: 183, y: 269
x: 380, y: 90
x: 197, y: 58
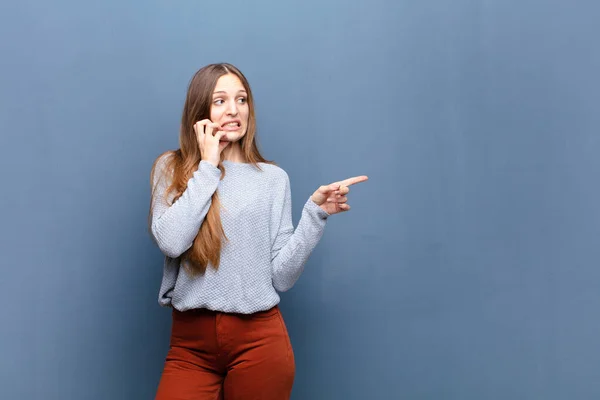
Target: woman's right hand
x: 209, y: 135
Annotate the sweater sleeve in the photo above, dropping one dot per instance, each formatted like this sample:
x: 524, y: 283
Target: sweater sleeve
x: 174, y: 226
x: 291, y: 248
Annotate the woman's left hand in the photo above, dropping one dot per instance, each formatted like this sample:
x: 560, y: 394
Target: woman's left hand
x: 333, y: 198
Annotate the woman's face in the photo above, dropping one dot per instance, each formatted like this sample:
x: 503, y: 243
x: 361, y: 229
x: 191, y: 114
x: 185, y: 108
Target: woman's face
x: 230, y: 108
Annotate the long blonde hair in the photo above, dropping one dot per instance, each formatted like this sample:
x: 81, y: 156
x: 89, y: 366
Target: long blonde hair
x: 184, y: 161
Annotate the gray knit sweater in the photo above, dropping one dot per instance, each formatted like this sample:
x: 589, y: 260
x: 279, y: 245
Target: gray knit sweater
x: 263, y: 253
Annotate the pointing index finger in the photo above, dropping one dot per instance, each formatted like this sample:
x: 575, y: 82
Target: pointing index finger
x: 354, y: 180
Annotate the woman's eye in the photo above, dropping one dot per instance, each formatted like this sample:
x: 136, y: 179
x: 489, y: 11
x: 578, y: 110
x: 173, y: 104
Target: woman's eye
x: 219, y: 102
x: 242, y: 100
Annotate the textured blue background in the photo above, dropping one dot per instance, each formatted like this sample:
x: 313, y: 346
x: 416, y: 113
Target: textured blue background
x: 468, y: 267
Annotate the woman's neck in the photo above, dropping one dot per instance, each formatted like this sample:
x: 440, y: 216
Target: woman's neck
x: 233, y: 153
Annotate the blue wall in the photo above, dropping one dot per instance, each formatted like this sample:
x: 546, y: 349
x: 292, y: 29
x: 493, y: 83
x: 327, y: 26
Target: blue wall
x: 468, y: 267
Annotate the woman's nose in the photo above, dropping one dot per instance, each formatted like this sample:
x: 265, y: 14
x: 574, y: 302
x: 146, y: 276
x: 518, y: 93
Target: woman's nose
x: 232, y: 109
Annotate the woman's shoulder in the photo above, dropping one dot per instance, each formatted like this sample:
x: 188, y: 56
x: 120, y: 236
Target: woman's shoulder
x: 162, y: 167
x: 274, y: 171
x: 164, y: 159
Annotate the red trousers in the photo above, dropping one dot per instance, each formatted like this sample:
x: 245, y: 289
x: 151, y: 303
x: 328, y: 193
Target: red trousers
x: 222, y: 356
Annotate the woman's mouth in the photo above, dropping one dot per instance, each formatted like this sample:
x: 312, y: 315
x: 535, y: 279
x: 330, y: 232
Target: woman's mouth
x: 231, y: 126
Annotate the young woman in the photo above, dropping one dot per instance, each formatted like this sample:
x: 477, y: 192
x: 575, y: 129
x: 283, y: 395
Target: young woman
x: 222, y: 216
